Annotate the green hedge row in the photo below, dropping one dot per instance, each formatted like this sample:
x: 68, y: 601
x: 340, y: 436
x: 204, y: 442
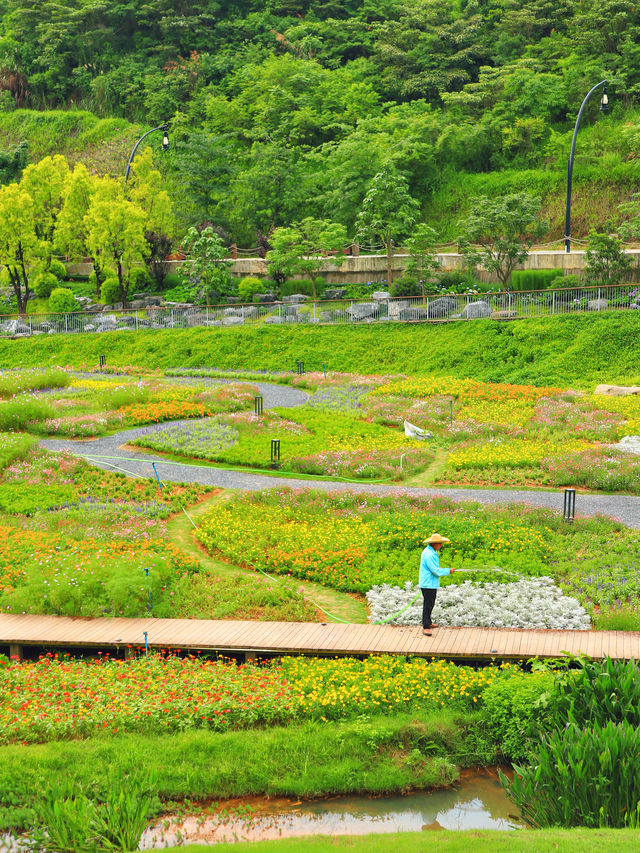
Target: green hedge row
x: 578, y: 350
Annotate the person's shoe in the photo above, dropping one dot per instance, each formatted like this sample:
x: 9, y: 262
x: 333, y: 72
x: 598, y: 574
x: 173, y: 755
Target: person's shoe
x: 427, y: 634
x: 433, y: 625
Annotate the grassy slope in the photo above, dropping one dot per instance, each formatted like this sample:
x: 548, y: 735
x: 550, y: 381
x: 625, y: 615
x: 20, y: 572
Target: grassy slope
x: 308, y: 760
x: 101, y: 144
x: 575, y: 350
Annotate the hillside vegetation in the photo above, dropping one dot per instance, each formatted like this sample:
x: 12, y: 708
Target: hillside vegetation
x: 563, y: 351
x: 289, y: 108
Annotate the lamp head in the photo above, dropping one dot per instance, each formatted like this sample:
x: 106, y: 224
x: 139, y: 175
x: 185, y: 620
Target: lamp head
x: 165, y: 138
x: 604, y: 100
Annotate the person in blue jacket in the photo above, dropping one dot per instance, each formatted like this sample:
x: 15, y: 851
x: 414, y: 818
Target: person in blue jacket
x: 429, y: 578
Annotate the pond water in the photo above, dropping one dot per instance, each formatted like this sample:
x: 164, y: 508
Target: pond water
x: 477, y: 802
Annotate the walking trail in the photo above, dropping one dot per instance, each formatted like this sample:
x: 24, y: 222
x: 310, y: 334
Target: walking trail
x: 109, y: 453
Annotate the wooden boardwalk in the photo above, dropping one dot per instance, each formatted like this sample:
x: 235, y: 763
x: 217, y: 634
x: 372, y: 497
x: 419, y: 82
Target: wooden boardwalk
x: 254, y: 639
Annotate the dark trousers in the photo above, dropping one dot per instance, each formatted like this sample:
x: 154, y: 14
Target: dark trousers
x: 428, y: 600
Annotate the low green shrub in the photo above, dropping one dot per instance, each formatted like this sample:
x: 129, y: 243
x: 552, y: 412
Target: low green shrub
x: 139, y: 279
x: 58, y: 269
x: 248, y: 286
x: 454, y: 281
x: 110, y: 291
x: 565, y: 281
x: 43, y: 284
x: 535, y: 279
x: 406, y: 285
x: 62, y: 301
x: 297, y: 285
x: 171, y: 279
x: 512, y: 708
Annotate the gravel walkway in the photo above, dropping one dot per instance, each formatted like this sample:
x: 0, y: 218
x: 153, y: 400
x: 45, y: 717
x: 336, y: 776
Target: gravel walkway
x: 623, y: 508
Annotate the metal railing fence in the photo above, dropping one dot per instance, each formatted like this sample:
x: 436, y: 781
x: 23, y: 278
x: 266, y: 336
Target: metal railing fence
x: 417, y: 309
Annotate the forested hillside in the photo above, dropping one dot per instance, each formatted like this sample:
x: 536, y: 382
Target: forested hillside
x: 287, y: 108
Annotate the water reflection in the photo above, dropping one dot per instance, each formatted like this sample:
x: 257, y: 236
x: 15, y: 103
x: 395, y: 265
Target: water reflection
x: 477, y: 803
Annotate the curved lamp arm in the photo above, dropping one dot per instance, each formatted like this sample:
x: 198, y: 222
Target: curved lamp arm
x: 567, y: 218
x: 163, y: 127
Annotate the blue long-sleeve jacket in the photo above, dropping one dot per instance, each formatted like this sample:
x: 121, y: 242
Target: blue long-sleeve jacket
x: 430, y: 570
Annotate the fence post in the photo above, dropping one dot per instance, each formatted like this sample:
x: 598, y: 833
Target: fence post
x: 553, y: 303
x: 598, y: 299
x: 66, y: 317
x: 242, y: 309
x: 509, y: 309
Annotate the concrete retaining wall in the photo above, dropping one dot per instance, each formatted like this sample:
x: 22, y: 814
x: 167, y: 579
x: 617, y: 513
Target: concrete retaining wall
x: 361, y: 269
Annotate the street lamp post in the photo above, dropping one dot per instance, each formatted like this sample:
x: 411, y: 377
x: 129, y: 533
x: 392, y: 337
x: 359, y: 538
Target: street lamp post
x: 165, y: 144
x: 604, y: 106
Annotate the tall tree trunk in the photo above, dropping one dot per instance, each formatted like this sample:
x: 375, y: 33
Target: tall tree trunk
x: 123, y: 290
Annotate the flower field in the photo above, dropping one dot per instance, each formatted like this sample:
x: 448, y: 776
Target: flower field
x: 313, y: 440
x: 518, y: 434
x: 354, y: 542
x: 91, y: 406
x: 64, y: 552
x: 352, y: 426
x: 59, y: 698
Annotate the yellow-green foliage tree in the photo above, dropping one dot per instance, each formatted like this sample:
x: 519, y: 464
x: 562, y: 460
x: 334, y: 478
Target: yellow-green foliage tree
x: 115, y: 233
x: 20, y: 249
x: 45, y: 183
x: 146, y: 189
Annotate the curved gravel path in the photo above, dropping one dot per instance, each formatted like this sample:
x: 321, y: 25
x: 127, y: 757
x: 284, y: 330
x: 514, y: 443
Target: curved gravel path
x: 624, y: 508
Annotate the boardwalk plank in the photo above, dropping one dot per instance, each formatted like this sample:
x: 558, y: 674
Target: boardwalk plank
x: 310, y: 637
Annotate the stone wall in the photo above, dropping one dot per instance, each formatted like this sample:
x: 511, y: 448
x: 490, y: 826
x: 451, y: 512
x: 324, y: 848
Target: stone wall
x: 361, y: 269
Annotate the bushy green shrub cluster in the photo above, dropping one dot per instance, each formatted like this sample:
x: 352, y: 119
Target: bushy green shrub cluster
x: 248, y: 286
x: 43, y: 284
x: 62, y: 301
x: 110, y: 290
x: 139, y: 279
x: 536, y: 279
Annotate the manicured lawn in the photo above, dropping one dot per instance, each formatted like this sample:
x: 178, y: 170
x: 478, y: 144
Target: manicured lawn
x: 480, y: 841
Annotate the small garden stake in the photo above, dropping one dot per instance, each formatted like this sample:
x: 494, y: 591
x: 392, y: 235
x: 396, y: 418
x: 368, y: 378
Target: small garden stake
x: 150, y: 607
x: 146, y: 645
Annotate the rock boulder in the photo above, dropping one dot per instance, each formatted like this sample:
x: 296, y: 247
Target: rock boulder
x: 476, y: 310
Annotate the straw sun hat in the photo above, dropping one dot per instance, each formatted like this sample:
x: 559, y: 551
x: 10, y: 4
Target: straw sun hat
x: 435, y: 538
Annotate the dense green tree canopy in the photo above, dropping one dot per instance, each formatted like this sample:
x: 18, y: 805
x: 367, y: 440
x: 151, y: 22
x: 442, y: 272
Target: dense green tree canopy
x: 286, y: 109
